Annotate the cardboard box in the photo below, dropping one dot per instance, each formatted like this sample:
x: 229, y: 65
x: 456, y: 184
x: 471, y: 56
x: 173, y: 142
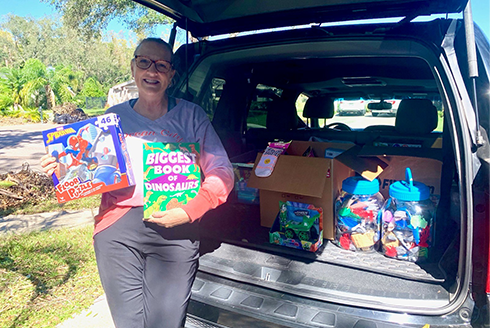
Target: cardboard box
x: 92, y: 155
x: 425, y: 170
x: 425, y: 164
x: 310, y: 180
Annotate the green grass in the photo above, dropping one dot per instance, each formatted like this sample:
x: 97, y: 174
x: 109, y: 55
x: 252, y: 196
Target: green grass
x: 46, y: 277
x: 94, y: 111
x: 440, y: 122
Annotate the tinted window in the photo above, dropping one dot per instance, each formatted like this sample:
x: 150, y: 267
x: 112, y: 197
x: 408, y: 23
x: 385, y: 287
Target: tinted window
x: 264, y: 95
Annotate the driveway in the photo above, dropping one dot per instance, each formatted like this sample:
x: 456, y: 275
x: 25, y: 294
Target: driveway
x: 20, y: 144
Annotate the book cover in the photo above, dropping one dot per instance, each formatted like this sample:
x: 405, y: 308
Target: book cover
x: 92, y: 157
x: 171, y: 174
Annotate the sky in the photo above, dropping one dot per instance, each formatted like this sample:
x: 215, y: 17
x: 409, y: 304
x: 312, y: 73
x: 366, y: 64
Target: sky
x: 38, y: 9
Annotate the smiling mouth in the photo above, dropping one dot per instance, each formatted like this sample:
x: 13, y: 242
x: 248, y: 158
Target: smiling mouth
x: 151, y: 81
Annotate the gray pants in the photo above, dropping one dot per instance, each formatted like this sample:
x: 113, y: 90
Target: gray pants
x: 147, y: 271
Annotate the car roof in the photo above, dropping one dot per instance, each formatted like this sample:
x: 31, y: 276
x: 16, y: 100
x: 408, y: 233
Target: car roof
x: 217, y: 17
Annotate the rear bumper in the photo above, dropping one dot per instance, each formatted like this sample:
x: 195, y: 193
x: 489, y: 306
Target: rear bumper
x: 384, y: 112
x: 218, y: 302
x: 350, y: 111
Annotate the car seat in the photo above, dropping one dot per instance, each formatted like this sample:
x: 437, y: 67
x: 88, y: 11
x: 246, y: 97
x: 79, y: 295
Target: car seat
x: 416, y: 117
x: 281, y: 116
x: 281, y: 121
x: 317, y: 108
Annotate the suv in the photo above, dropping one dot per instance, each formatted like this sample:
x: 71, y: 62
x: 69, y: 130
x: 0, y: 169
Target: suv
x: 270, y: 82
x: 351, y: 106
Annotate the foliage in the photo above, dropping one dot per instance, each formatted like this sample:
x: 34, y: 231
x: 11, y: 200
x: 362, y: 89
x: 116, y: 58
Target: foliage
x: 44, y: 63
x: 11, y: 83
x: 90, y: 17
x: 92, y: 88
x: 42, y: 272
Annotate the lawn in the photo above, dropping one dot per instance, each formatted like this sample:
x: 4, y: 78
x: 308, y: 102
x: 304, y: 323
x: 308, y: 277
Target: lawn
x: 46, y: 277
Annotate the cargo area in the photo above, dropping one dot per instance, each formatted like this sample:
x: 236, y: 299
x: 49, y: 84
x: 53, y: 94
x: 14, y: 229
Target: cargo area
x: 236, y: 246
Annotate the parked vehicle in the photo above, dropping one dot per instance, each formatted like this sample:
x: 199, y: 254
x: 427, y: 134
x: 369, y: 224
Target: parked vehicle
x: 351, y: 106
x: 243, y: 280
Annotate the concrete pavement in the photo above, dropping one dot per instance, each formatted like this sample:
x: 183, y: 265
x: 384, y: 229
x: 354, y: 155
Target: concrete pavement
x: 15, y: 224
x: 22, y: 143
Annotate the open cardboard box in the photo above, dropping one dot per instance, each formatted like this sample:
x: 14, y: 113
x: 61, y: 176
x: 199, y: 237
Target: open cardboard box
x: 310, y: 180
x: 425, y: 164
x: 318, y: 180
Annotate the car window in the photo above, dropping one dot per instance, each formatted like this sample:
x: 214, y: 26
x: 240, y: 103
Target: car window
x: 211, y: 96
x: 300, y: 105
x: 263, y: 97
x: 360, y: 112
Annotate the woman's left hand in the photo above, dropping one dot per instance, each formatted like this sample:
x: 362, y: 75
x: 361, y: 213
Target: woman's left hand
x: 170, y: 218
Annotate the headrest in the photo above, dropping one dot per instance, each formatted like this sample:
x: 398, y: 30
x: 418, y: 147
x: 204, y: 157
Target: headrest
x: 416, y: 117
x: 281, y: 116
x: 319, y: 107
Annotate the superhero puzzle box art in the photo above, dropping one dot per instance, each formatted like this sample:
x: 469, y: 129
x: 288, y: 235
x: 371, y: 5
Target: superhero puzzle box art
x: 92, y: 157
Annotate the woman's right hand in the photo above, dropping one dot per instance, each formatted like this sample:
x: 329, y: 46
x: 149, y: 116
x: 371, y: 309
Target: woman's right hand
x: 49, y: 164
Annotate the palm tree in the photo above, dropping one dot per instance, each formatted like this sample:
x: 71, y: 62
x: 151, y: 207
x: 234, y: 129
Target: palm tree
x: 47, y: 86
x: 13, y: 80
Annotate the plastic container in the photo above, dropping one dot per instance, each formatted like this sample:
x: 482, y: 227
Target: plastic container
x: 407, y: 221
x: 356, y: 214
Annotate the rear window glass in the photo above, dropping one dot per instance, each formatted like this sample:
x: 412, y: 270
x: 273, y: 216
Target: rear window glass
x: 359, y: 112
x: 263, y: 97
x: 212, y: 95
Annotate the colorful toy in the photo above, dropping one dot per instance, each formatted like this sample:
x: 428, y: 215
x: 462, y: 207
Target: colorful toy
x: 92, y: 157
x: 297, y: 220
x: 298, y: 225
x: 407, y: 218
x: 356, y: 213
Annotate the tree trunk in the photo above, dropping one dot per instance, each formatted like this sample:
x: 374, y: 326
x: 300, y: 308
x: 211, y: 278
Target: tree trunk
x: 50, y: 97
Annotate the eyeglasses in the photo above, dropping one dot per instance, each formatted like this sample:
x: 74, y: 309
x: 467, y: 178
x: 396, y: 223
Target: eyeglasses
x: 163, y: 66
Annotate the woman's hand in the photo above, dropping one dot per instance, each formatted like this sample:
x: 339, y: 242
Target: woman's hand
x: 170, y: 218
x: 49, y: 164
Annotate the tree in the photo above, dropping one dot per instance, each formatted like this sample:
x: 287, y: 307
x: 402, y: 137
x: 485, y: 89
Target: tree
x: 7, y: 49
x: 92, y: 16
x: 105, y: 58
x: 11, y: 79
x: 36, y: 84
x: 43, y: 62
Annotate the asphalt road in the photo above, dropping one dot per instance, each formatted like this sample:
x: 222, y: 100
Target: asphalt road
x: 20, y: 144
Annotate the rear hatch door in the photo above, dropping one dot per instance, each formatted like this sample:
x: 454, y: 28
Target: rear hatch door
x: 216, y: 17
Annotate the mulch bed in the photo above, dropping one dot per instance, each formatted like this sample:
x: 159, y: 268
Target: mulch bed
x: 25, y: 186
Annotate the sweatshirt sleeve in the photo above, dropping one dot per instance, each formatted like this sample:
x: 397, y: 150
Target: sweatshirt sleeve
x: 215, y: 166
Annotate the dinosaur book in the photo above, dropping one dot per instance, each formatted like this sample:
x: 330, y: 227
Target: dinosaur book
x: 171, y: 174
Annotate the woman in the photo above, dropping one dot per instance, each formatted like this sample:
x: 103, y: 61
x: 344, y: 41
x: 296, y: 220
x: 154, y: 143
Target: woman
x: 147, y: 265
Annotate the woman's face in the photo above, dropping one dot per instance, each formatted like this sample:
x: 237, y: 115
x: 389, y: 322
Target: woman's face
x: 150, y: 82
